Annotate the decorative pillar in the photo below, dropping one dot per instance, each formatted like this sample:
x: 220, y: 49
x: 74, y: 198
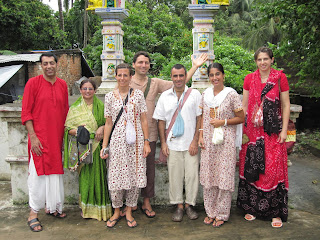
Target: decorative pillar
x: 112, y: 53
x: 203, y: 12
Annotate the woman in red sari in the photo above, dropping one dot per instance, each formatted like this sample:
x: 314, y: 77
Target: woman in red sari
x: 263, y: 185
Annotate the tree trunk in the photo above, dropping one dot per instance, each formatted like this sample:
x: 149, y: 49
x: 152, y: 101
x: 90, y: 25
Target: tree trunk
x: 61, y: 15
x: 85, y: 25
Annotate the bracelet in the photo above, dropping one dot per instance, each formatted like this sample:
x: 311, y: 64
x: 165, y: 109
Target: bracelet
x: 225, y: 122
x: 147, y: 139
x: 31, y: 134
x: 200, y: 129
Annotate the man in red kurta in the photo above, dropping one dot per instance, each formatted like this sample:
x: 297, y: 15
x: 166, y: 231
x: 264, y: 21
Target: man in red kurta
x: 44, y: 110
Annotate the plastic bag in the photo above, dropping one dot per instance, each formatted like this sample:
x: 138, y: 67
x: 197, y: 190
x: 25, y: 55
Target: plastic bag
x: 217, y: 136
x: 178, y: 127
x: 130, y: 133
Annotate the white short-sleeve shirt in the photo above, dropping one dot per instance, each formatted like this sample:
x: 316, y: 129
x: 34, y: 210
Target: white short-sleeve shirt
x: 166, y: 106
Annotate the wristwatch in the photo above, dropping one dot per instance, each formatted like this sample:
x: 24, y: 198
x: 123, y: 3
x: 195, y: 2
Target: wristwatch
x: 147, y: 139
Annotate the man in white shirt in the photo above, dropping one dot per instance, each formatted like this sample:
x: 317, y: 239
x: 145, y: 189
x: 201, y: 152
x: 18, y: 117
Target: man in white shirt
x: 182, y: 152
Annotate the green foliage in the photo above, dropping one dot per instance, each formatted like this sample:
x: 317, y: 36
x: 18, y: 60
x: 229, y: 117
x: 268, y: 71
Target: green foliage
x: 6, y: 52
x: 237, y: 61
x: 299, y: 22
x: 27, y: 24
x: 155, y: 30
x: 93, y: 58
x: 74, y: 24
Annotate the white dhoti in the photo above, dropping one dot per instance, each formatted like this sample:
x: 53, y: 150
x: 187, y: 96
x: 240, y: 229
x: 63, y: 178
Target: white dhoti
x: 45, y: 191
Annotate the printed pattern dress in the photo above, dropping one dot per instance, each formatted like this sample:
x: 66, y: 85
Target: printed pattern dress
x: 127, y: 167
x: 218, y: 162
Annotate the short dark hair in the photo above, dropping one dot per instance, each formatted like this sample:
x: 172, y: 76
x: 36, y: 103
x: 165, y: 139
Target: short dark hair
x: 139, y: 54
x: 217, y: 66
x: 49, y: 54
x: 124, y: 66
x: 88, y: 81
x: 179, y: 66
x: 264, y: 50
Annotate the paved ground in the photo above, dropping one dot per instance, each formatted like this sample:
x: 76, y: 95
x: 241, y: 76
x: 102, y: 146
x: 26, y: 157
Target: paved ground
x: 303, y: 222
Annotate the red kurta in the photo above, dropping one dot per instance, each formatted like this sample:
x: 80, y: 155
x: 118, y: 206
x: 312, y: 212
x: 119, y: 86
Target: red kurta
x: 47, y: 106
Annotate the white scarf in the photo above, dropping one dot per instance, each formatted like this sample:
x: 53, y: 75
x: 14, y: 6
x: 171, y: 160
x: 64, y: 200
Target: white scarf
x: 215, y: 101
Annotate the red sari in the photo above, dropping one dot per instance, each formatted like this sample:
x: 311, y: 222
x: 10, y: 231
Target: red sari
x: 263, y: 185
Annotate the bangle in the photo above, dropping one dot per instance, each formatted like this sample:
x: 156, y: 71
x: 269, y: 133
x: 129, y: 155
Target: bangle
x: 147, y: 139
x: 225, y: 122
x: 200, y: 129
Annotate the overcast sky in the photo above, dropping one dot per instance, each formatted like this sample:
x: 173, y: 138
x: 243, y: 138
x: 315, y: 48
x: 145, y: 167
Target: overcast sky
x: 52, y: 3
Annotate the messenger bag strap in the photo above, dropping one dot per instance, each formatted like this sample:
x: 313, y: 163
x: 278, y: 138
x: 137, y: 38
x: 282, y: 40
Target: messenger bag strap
x: 147, y: 88
x: 177, y: 111
x: 119, y: 114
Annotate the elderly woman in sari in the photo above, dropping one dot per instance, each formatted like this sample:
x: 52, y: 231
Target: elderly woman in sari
x: 125, y: 107
x: 87, y: 111
x: 221, y: 108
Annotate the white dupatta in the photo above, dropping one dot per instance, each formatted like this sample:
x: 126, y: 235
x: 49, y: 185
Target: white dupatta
x: 215, y: 101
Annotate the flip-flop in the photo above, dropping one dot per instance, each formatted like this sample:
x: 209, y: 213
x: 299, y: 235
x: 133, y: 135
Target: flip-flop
x: 208, y: 222
x: 58, y: 215
x: 124, y: 210
x: 144, y: 210
x: 113, y: 222
x: 276, y: 223
x: 133, y: 226
x: 215, y: 222
x: 249, y: 217
x: 32, y: 226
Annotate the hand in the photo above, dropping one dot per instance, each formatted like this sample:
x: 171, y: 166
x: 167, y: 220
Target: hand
x: 282, y: 137
x: 146, y: 149
x: 201, y: 142
x: 165, y: 149
x: 216, y: 122
x: 193, y: 148
x: 99, y: 134
x: 103, y: 156
x: 36, y: 146
x: 200, y: 60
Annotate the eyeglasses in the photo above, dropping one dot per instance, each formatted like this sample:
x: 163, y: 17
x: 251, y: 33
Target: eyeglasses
x: 85, y: 89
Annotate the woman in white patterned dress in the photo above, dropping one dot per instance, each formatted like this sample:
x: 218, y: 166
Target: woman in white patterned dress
x: 221, y: 107
x: 127, y: 163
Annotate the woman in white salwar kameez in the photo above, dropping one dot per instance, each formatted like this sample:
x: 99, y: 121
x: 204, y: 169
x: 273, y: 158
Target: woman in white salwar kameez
x: 221, y: 107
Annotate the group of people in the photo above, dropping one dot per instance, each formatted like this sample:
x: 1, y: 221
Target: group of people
x: 118, y: 162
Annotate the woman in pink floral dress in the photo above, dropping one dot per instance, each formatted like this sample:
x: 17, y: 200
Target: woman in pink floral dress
x: 127, y: 163
x: 221, y: 108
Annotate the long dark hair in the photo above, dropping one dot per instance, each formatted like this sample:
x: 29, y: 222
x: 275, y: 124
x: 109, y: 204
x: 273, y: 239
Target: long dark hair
x: 217, y: 66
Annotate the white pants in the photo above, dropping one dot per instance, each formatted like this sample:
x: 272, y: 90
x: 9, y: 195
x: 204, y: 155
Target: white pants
x: 45, y: 191
x: 183, y: 168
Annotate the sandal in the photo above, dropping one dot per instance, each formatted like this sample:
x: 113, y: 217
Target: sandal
x: 36, y: 224
x: 208, y: 220
x: 113, y: 222
x: 58, y: 215
x: 215, y: 223
x: 276, y: 222
x: 145, y: 210
x: 124, y: 210
x: 132, y: 226
x: 249, y: 217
